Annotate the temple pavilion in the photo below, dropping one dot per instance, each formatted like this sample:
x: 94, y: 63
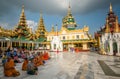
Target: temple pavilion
x: 69, y: 35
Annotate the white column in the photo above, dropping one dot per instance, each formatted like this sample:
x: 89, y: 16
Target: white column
x: 111, y: 48
x: 48, y: 46
x: 2, y: 45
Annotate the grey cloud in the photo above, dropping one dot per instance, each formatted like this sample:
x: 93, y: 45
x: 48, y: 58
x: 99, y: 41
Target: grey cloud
x: 54, y: 6
x: 10, y: 8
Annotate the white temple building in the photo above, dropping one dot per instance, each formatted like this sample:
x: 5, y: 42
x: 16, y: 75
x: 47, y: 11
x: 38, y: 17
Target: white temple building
x: 109, y: 36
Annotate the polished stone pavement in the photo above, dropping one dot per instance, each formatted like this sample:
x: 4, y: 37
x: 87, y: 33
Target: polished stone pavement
x: 68, y: 65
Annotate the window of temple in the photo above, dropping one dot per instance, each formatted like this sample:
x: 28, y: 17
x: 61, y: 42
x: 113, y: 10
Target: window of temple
x: 117, y: 36
x: 40, y: 45
x: 114, y: 36
x: 5, y: 44
x: 54, y: 46
x: 63, y: 37
x: 68, y: 37
x: 82, y: 36
x: 73, y: 37
x: 49, y: 39
x: 77, y: 36
x: 80, y: 45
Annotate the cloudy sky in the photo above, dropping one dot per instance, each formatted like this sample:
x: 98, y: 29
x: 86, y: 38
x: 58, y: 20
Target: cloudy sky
x: 86, y: 12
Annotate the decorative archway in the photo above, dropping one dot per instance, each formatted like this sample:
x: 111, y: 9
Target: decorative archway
x: 56, y: 44
x: 115, y: 50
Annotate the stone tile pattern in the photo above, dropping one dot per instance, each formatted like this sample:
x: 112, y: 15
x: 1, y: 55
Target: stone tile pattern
x: 107, y: 70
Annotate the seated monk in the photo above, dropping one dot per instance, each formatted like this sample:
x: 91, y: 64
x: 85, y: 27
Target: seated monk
x: 46, y: 56
x: 31, y: 68
x: 38, y: 61
x: 35, y: 61
x: 24, y: 65
x: 41, y: 59
x: 9, y: 69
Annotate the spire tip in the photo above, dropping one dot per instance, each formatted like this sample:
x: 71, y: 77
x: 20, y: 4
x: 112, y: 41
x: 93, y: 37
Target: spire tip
x: 110, y: 7
x: 41, y: 14
x: 22, y: 6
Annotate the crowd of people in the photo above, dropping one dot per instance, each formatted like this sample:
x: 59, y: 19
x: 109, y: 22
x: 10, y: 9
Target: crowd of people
x: 30, y: 63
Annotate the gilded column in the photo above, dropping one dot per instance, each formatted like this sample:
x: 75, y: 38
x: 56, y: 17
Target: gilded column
x: 107, y: 30
x: 99, y: 41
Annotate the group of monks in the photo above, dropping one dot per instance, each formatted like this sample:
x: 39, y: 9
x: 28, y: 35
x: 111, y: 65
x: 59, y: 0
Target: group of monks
x: 38, y: 60
x: 9, y: 66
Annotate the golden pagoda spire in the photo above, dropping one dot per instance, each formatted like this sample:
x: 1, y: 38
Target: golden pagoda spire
x: 22, y: 20
x: 22, y: 30
x: 69, y: 21
x: 52, y: 30
x: 111, y: 8
x: 41, y: 27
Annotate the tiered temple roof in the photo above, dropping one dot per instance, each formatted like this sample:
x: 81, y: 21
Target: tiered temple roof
x: 41, y: 31
x: 112, y: 25
x: 22, y: 31
x: 68, y: 21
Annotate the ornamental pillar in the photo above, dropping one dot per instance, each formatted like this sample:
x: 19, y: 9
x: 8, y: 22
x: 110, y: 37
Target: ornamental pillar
x: 118, y: 48
x: 99, y: 41
x: 2, y: 44
x: 84, y: 46
x: 111, y: 48
x: 14, y: 44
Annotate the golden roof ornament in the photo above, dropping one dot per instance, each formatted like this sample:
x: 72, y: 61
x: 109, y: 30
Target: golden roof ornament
x: 22, y: 8
x: 22, y: 20
x: 40, y: 14
x: 41, y: 30
x: 69, y: 9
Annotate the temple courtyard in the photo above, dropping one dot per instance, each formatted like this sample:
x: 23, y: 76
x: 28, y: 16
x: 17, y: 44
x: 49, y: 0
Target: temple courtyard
x: 70, y: 65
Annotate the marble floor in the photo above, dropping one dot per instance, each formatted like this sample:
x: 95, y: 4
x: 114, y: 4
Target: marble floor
x: 68, y: 65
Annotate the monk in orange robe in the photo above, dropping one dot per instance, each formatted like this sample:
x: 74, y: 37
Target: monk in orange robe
x: 46, y: 56
x: 38, y: 61
x: 35, y: 61
x: 41, y: 59
x: 9, y: 69
x: 24, y: 65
